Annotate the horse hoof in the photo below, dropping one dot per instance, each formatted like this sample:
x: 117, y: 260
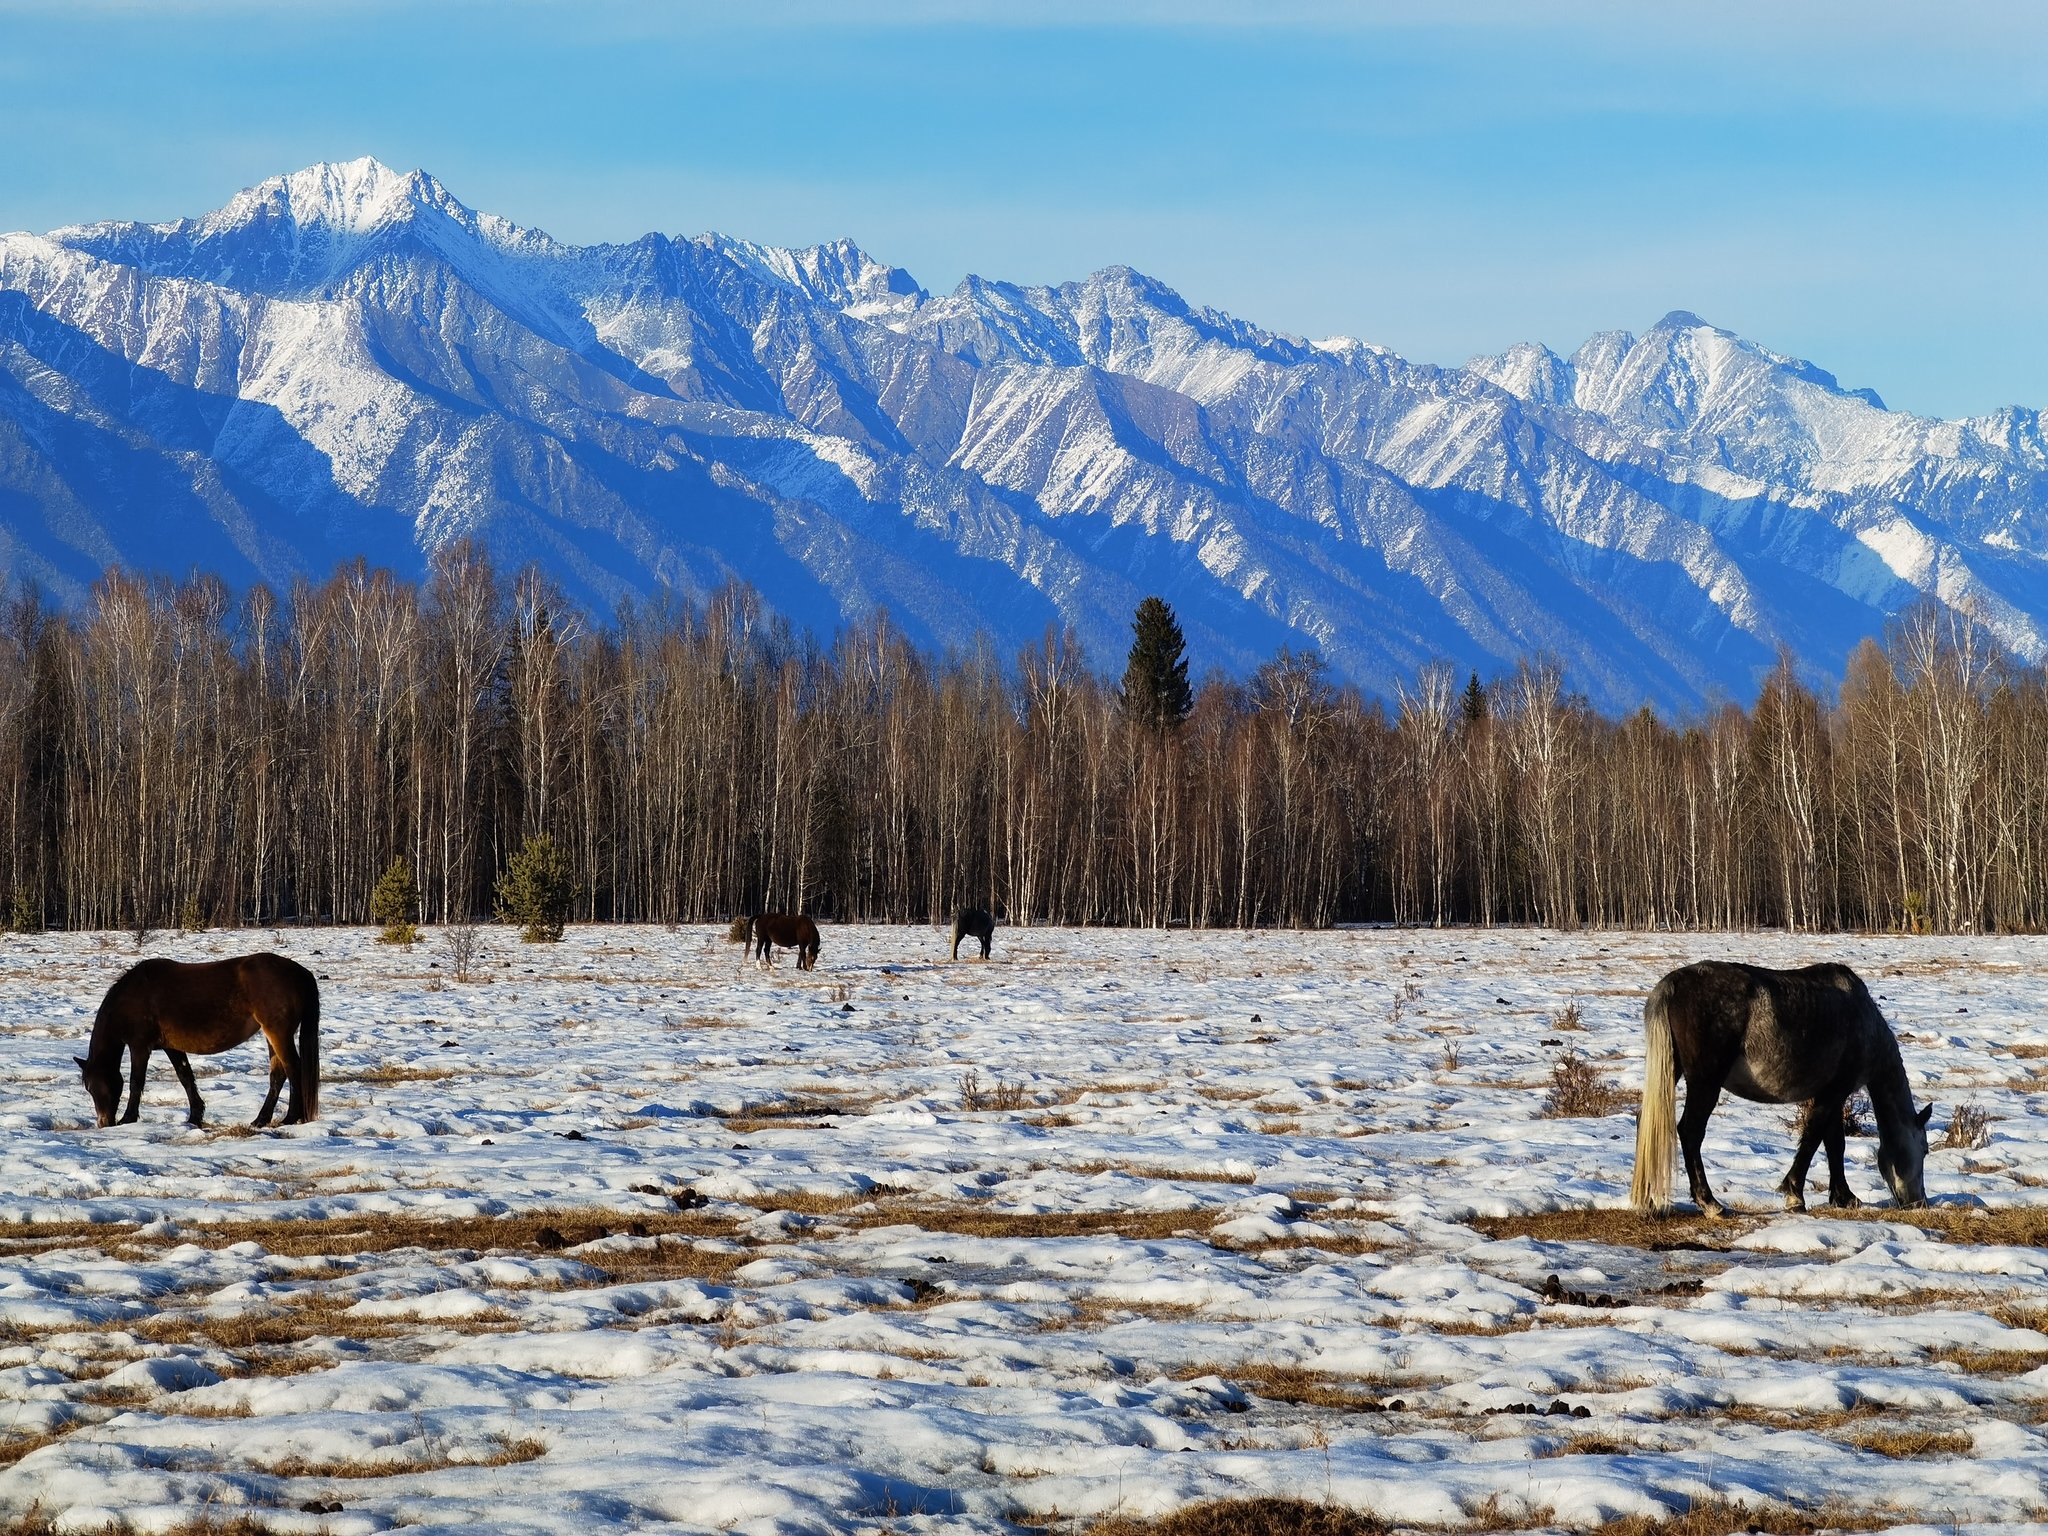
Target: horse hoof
x: 1795, y: 1202
x: 1714, y: 1209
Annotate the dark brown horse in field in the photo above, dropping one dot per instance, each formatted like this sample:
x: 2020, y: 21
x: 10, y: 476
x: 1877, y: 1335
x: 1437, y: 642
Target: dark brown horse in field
x: 973, y: 923
x: 1810, y: 1036
x: 200, y: 1010
x: 768, y: 929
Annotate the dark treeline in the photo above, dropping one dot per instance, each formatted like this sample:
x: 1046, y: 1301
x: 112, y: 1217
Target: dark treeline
x: 174, y: 752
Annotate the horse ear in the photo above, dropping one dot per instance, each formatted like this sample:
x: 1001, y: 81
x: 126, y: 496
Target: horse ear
x: 1924, y: 1114
x: 82, y: 1063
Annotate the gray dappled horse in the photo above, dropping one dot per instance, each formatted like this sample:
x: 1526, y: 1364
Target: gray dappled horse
x: 973, y: 923
x: 1776, y: 1037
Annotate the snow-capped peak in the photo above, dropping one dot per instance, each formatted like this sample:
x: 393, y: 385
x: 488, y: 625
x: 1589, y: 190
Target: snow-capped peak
x: 352, y: 195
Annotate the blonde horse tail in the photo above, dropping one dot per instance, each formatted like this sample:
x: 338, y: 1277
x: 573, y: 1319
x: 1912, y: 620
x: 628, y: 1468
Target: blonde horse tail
x: 959, y: 933
x: 1657, y: 1115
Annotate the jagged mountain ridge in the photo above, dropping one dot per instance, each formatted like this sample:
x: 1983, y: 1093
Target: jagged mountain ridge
x: 349, y: 360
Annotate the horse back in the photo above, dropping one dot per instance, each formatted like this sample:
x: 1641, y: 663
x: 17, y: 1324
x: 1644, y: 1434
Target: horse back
x: 1780, y: 1032
x: 200, y: 1007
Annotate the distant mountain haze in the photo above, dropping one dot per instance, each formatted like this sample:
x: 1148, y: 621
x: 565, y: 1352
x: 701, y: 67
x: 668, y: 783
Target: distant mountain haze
x: 349, y: 361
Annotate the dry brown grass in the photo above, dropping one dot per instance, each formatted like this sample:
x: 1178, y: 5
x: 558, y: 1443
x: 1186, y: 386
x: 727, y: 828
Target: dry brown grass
x: 1619, y: 1227
x: 1903, y: 1444
x: 1085, y: 1313
x: 1165, y: 1175
x: 1721, y: 1517
x: 1248, y: 1517
x: 13, y: 1450
x: 1819, y: 1421
x: 2022, y: 1314
x: 800, y: 1111
x: 1969, y: 1128
x: 500, y: 1451
x: 1589, y: 1445
x: 1988, y: 1362
x: 976, y: 1221
x: 1578, y: 1091
x: 1294, y: 1384
x: 396, y: 1073
x: 263, y: 1340
x: 33, y: 1522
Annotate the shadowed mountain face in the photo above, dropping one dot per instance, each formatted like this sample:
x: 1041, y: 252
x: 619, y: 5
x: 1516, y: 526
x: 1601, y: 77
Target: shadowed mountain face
x: 348, y: 360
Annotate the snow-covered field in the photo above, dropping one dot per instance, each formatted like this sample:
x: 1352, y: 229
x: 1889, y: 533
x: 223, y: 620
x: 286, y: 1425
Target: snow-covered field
x: 632, y: 1235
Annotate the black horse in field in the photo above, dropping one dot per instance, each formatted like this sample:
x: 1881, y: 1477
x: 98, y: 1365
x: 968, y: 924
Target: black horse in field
x: 973, y: 923
x: 1775, y: 1037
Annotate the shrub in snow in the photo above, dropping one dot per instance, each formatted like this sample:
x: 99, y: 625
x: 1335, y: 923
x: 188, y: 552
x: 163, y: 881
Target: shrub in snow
x: 535, y: 891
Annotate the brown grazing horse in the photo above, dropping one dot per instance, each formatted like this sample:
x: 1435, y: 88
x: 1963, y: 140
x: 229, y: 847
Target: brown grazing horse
x: 1811, y: 1036
x: 200, y: 1010
x: 765, y: 930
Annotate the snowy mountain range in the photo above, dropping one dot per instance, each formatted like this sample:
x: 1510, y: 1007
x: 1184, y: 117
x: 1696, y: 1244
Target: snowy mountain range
x: 347, y: 360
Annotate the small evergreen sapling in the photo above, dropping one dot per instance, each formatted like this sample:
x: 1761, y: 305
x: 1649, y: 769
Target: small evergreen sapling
x: 393, y: 904
x: 536, y: 891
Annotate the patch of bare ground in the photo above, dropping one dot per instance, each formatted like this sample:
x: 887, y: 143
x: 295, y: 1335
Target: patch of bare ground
x: 1723, y: 1517
x: 1588, y: 1445
x: 1988, y: 1362
x: 800, y: 1111
x: 1620, y: 1227
x: 528, y: 1231
x: 977, y: 1221
x: 1904, y: 1444
x: 1296, y: 1384
x: 396, y: 1073
x: 1087, y: 1313
x: 33, y: 1522
x: 13, y: 1450
x: 2022, y: 1314
x: 1247, y: 1517
x: 499, y: 1451
x: 1166, y: 1175
x: 262, y: 1340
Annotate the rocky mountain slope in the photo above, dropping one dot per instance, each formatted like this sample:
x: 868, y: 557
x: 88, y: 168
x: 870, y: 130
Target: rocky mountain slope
x: 348, y: 360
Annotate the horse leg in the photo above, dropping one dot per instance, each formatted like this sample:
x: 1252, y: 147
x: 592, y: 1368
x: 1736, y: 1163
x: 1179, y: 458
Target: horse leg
x: 138, y: 1063
x: 1794, y: 1186
x: 284, y: 1067
x: 1702, y: 1093
x: 1839, y: 1192
x: 181, y: 1065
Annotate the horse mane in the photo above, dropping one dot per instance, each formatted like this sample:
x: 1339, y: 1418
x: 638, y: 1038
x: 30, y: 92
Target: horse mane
x: 1891, y: 1093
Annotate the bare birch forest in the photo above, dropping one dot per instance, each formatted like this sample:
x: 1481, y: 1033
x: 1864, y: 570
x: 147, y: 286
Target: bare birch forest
x: 175, y: 753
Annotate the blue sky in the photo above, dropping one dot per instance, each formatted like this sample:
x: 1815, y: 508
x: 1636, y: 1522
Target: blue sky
x: 1860, y: 184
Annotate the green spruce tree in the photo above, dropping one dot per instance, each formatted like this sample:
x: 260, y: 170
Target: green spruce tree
x: 536, y: 891
x: 1475, y: 701
x: 1155, y: 687
x: 394, y: 902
